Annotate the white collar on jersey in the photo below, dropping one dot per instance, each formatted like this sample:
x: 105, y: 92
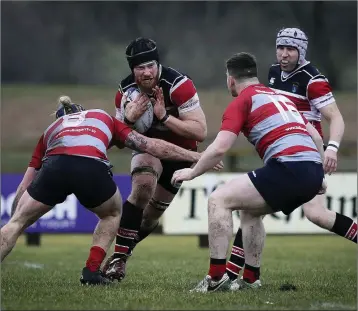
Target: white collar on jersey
x: 292, y: 73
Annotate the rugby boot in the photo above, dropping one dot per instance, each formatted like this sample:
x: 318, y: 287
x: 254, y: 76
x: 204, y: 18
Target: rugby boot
x: 106, y: 264
x: 209, y: 285
x: 93, y: 278
x: 240, y: 284
x: 115, y: 267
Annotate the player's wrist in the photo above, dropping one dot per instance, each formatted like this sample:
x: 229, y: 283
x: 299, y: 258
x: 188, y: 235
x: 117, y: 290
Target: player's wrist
x: 196, y: 156
x: 333, y: 145
x: 165, y: 118
x: 128, y: 121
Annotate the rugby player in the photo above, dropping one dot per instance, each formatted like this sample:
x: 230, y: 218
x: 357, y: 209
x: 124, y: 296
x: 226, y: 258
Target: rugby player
x: 71, y: 157
x: 292, y: 151
x: 297, y: 79
x: 179, y: 119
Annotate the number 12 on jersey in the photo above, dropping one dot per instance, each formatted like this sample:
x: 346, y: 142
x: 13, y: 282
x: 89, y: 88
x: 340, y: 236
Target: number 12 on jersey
x: 286, y: 107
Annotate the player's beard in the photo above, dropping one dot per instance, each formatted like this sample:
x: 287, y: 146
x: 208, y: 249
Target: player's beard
x: 146, y: 85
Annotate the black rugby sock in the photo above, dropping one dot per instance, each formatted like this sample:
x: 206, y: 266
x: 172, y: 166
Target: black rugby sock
x: 237, y: 257
x: 144, y: 232
x: 345, y: 227
x: 128, y: 230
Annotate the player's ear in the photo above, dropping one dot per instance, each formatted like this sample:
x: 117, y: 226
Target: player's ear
x: 231, y: 80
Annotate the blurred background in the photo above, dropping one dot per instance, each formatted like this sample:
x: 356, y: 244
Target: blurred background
x: 77, y: 48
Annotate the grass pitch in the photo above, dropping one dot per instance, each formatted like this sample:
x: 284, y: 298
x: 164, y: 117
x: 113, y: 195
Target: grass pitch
x: 163, y: 269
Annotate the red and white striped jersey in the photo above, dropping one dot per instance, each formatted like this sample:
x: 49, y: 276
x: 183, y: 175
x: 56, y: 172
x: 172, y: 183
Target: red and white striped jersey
x: 180, y: 96
x: 272, y: 124
x: 306, y: 87
x: 87, y: 134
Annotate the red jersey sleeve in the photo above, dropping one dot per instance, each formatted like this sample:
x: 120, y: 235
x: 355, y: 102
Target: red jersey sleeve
x: 319, y: 92
x: 117, y: 99
x: 121, y: 131
x: 38, y: 154
x: 235, y: 115
x: 183, y: 94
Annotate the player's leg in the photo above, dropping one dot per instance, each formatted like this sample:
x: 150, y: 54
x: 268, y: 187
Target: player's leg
x: 153, y: 211
x: 284, y: 186
x: 236, y: 261
x: 163, y: 196
x: 237, y: 194
x: 144, y: 169
x: 92, y: 183
x: 316, y: 212
x: 221, y: 204
x: 109, y: 214
x: 45, y: 191
x: 253, y: 238
x: 27, y: 212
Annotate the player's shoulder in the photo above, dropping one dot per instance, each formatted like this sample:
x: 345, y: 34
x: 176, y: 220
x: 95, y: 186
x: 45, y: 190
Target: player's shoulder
x: 275, y: 69
x: 126, y: 83
x: 171, y: 76
x: 98, y: 113
x: 314, y: 76
x: 57, y: 122
x: 312, y: 72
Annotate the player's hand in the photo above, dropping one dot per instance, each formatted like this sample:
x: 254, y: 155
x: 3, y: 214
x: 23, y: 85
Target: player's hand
x: 330, y: 162
x: 323, y: 187
x: 219, y: 166
x: 182, y: 175
x: 136, y: 108
x: 159, y: 104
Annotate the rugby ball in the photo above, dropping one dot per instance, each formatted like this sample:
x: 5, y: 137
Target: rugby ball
x: 144, y: 123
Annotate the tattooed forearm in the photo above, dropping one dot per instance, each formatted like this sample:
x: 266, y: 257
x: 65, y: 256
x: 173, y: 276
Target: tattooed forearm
x: 160, y: 148
x: 136, y: 141
x: 164, y: 150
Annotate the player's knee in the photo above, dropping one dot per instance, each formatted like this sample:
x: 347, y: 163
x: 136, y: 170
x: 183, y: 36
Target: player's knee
x: 215, y: 200
x: 144, y: 180
x: 142, y: 190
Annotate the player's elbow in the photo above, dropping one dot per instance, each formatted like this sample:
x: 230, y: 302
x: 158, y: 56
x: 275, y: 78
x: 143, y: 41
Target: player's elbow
x: 334, y: 117
x: 220, y: 150
x: 201, y: 134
